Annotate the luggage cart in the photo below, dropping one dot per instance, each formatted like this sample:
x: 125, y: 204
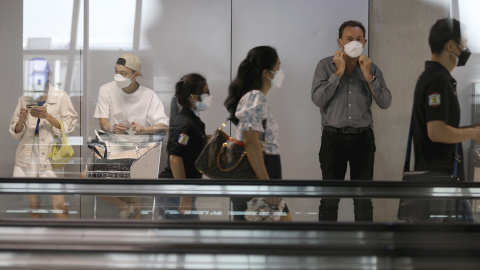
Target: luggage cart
x: 125, y: 159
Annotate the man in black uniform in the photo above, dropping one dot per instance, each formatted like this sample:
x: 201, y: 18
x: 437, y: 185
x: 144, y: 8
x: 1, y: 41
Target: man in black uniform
x: 436, y: 111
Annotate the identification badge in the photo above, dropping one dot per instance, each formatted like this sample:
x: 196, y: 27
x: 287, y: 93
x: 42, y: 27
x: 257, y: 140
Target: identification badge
x: 434, y: 100
x: 183, y: 139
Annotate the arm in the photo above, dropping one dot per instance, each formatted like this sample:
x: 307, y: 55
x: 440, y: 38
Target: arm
x: 378, y: 88
x: 53, y: 121
x: 327, y: 79
x: 153, y: 129
x: 440, y: 132
x: 254, y: 153
x: 380, y: 92
x: 105, y: 124
x: 67, y: 114
x: 178, y: 170
x: 117, y: 128
x: 42, y: 113
x: 21, y: 120
x: 18, y: 130
x: 156, y: 117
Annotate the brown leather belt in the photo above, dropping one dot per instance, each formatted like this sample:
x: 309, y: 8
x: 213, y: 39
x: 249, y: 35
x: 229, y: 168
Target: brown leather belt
x: 347, y: 129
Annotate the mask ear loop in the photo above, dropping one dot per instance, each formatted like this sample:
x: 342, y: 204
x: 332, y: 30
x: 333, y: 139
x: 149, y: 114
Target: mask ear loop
x: 270, y: 72
x: 133, y: 76
x: 449, y: 44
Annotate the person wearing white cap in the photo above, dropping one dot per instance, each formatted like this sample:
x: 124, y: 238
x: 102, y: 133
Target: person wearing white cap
x: 140, y: 110
x: 141, y: 107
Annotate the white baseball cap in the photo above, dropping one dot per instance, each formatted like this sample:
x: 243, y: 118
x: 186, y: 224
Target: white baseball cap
x: 130, y: 61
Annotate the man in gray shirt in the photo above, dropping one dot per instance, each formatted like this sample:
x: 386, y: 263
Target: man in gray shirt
x: 344, y: 86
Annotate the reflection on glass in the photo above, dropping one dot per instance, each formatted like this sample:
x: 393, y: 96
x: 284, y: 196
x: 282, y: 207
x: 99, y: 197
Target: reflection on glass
x: 435, y: 211
x: 47, y: 24
x: 208, y: 209
x: 112, y: 24
x: 36, y: 76
x: 469, y: 17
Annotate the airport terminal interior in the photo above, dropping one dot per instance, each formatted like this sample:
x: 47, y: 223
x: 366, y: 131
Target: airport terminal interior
x: 113, y: 208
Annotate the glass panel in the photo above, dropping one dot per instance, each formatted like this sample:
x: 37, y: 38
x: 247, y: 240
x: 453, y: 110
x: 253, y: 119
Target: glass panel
x: 111, y: 24
x: 116, y: 199
x: 469, y: 19
x: 51, y: 28
x: 36, y: 75
x: 47, y: 24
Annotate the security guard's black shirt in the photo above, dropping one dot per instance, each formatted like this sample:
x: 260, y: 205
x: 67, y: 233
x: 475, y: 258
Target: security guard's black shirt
x: 435, y: 99
x: 186, y: 140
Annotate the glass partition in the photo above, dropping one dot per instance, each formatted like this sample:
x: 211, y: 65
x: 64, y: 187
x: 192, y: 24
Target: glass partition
x: 140, y: 200
x: 96, y: 237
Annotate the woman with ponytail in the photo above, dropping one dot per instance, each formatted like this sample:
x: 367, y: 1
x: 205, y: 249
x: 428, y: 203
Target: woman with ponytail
x: 186, y: 140
x: 249, y: 111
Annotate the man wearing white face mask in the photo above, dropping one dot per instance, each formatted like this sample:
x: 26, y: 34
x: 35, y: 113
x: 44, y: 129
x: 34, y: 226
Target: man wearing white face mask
x: 344, y: 86
x: 143, y: 110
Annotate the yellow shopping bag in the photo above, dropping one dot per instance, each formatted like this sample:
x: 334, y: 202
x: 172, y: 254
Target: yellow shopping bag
x: 60, y: 154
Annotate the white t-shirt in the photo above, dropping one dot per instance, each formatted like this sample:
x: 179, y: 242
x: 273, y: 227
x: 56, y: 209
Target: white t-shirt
x: 143, y: 106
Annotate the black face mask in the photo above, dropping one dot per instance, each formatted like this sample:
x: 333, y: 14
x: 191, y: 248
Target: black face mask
x: 463, y: 57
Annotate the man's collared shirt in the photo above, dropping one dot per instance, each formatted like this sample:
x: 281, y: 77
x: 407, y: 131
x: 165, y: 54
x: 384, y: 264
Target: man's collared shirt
x: 346, y: 102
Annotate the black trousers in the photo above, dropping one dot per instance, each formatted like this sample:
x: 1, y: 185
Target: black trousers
x: 337, y: 150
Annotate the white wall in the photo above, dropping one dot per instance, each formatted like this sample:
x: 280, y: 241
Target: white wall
x: 303, y: 32
x: 466, y: 11
x: 11, y: 77
x: 211, y: 37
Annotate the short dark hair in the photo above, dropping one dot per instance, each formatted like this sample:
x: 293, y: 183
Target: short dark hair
x: 353, y: 24
x: 443, y: 31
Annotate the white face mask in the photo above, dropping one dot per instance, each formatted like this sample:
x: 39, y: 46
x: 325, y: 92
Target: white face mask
x: 353, y: 49
x: 121, y: 81
x: 277, y: 78
x: 204, y: 104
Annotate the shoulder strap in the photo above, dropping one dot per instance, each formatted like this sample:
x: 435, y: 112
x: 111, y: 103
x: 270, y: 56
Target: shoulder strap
x: 262, y: 136
x: 406, y: 165
x: 456, y: 160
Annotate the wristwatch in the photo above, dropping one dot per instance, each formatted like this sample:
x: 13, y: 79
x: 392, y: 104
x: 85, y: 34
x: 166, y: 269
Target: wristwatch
x: 113, y: 128
x: 373, y: 79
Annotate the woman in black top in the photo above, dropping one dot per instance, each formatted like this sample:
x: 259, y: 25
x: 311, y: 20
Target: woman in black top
x: 186, y: 140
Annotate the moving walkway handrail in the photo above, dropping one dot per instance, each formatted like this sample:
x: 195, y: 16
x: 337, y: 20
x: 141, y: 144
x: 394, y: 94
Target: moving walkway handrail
x: 285, y: 188
x: 241, y: 238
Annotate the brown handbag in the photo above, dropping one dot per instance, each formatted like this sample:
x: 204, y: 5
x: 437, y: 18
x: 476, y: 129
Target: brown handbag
x: 225, y: 157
